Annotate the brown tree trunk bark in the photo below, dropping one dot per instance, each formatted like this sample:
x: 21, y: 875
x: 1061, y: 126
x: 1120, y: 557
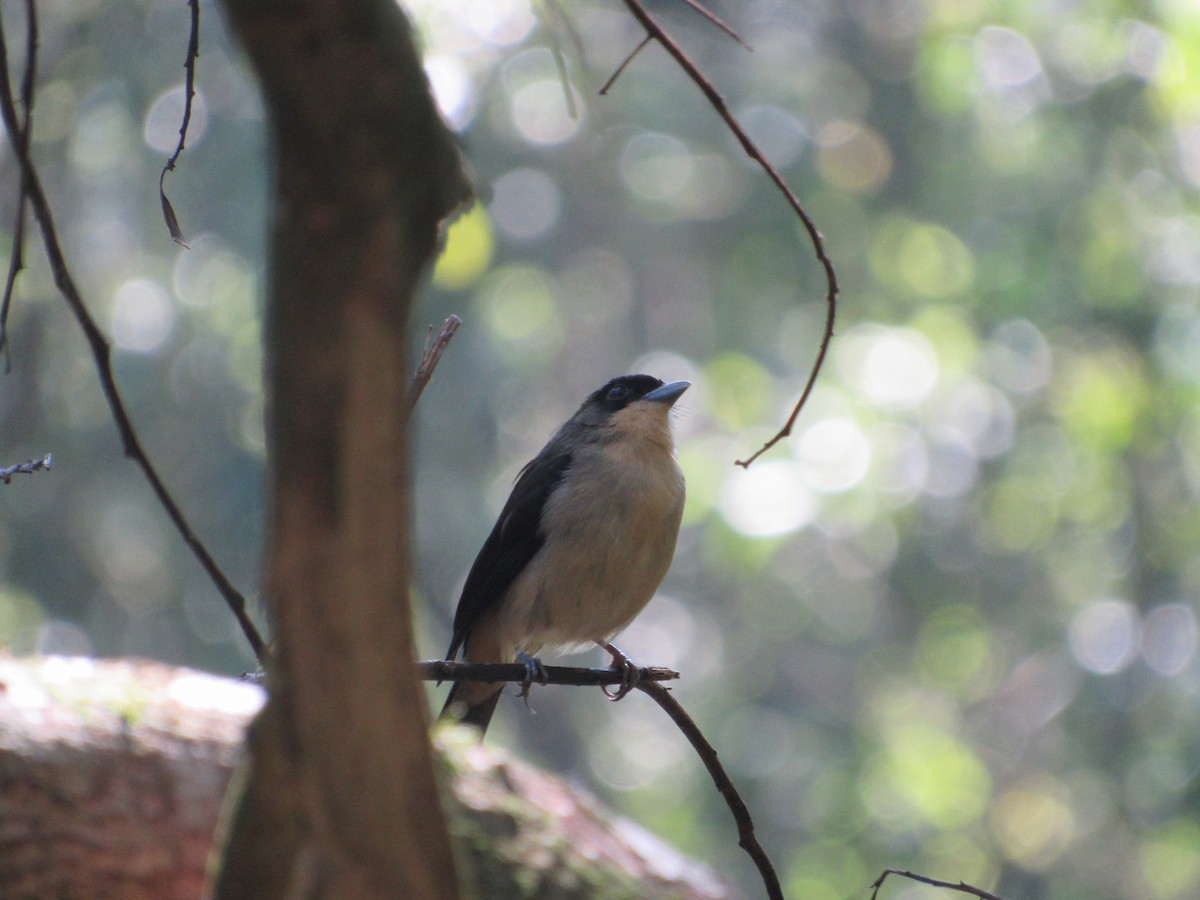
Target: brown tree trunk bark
x: 339, y: 798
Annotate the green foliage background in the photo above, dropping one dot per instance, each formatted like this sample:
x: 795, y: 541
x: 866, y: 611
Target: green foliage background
x: 949, y: 626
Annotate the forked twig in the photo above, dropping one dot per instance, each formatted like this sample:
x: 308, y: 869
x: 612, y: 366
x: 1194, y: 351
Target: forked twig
x: 961, y: 887
x: 655, y: 31
x: 101, y: 353
x: 712, y: 17
x: 16, y: 260
x: 189, y: 91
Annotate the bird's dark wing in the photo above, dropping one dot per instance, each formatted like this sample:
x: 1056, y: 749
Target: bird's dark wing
x: 514, y: 540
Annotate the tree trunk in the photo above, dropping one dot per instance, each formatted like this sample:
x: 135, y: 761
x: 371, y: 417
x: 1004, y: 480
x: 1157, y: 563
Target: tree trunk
x: 340, y: 798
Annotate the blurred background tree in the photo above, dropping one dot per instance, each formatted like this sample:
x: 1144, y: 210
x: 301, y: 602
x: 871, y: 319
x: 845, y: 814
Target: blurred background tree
x: 949, y: 626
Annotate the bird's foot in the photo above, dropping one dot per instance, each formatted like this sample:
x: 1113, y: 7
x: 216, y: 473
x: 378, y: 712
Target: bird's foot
x: 534, y: 671
x: 630, y: 673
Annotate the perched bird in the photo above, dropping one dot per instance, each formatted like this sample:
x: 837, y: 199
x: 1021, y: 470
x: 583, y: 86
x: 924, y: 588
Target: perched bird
x: 582, y: 544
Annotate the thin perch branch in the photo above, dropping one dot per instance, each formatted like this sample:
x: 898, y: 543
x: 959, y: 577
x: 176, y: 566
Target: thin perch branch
x: 101, y: 353
x: 444, y: 670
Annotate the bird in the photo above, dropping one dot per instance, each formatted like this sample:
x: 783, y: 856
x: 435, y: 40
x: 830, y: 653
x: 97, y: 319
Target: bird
x: 580, y: 547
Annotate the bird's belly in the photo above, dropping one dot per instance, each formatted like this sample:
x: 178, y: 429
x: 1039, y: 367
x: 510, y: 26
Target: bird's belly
x: 590, y: 582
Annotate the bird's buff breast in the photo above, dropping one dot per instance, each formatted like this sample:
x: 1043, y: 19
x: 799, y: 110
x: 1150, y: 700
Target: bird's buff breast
x: 614, y: 538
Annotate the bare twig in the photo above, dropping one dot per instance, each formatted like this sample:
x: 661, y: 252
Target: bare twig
x: 708, y: 14
x: 718, y: 21
x: 655, y: 31
x: 101, y: 353
x: 26, y: 468
x: 16, y: 260
x: 741, y: 813
x: 444, y: 670
x: 189, y: 91
x: 961, y: 887
x: 649, y: 682
x: 429, y: 360
x: 624, y: 64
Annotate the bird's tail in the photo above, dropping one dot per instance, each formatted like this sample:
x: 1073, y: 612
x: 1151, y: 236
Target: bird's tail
x: 471, y: 703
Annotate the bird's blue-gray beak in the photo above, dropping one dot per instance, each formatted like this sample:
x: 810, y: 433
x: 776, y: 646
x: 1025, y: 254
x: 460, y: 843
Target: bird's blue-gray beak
x: 668, y: 393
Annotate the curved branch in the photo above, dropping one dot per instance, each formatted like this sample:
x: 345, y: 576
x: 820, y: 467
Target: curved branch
x: 101, y: 353
x: 189, y: 91
x: 656, y: 31
x: 650, y: 683
x: 747, y: 840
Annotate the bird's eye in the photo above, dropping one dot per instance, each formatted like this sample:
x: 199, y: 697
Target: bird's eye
x: 617, y: 392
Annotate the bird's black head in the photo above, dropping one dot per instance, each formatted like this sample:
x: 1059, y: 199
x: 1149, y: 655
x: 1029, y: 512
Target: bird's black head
x: 631, y: 404
x: 620, y: 392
